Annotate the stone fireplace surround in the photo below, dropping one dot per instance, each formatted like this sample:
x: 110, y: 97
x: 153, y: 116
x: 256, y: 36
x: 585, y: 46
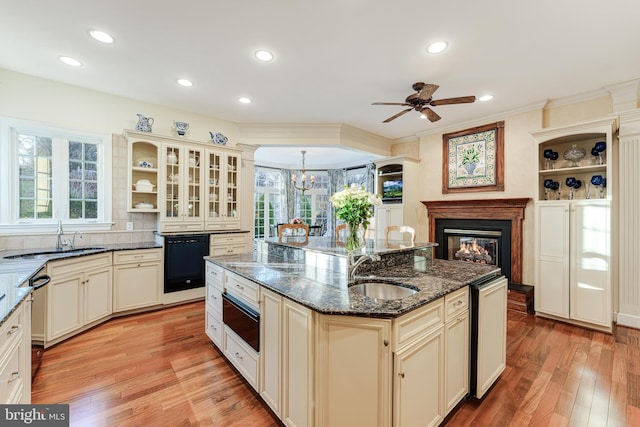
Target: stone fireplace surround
x: 485, y: 209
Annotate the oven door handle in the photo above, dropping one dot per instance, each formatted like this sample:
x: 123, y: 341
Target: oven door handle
x: 247, y: 311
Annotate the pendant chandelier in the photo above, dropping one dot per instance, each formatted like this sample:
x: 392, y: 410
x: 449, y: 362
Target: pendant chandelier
x: 303, y: 179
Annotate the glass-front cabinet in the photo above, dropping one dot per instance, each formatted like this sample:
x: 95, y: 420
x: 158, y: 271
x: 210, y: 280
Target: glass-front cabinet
x: 183, y: 205
x: 222, y: 172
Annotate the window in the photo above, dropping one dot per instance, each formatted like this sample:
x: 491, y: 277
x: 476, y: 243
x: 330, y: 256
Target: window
x: 54, y: 174
x: 267, y: 202
x: 314, y: 205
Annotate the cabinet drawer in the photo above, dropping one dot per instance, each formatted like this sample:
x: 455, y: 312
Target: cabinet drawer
x: 138, y: 255
x: 214, y: 299
x: 11, y: 374
x: 417, y: 323
x: 178, y: 227
x: 214, y: 329
x: 227, y: 239
x: 456, y: 302
x: 242, y: 356
x: 78, y: 265
x: 214, y: 275
x: 227, y: 250
x: 10, y: 332
x: 227, y: 225
x: 243, y: 288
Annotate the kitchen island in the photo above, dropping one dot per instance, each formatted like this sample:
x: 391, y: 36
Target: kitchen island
x: 328, y: 355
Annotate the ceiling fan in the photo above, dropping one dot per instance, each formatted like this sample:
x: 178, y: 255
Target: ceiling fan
x: 422, y: 100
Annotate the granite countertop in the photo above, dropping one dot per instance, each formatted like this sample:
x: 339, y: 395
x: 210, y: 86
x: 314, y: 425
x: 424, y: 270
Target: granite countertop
x: 16, y: 272
x: 326, y: 291
x: 329, y: 245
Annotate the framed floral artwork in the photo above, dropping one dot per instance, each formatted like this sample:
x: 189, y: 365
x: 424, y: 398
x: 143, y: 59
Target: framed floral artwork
x: 473, y: 159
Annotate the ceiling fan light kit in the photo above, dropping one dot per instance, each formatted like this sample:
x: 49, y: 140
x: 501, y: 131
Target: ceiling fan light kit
x: 422, y: 100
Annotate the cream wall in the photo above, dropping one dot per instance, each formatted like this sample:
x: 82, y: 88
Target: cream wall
x: 31, y: 98
x: 519, y: 164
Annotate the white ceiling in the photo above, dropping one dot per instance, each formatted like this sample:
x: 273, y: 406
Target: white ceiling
x: 333, y: 58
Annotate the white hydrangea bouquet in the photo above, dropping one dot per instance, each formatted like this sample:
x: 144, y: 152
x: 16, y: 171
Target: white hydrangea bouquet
x: 354, y: 206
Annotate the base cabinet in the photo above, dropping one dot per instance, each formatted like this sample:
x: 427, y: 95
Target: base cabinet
x: 15, y: 356
x: 353, y: 371
x: 573, y: 260
x: 138, y: 279
x: 78, y: 295
x: 287, y: 359
x: 226, y: 244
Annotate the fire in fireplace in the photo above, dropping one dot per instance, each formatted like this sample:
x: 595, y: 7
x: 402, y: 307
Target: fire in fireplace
x: 479, y: 246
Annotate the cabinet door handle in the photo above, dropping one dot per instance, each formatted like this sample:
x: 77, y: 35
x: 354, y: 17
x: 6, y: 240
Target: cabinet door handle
x: 401, y: 374
x: 239, y: 287
x: 13, y: 330
x: 458, y: 303
x: 14, y: 376
x: 386, y: 343
x: 238, y: 356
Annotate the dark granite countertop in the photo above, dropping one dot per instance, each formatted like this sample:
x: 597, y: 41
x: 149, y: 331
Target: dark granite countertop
x: 326, y: 291
x: 15, y: 272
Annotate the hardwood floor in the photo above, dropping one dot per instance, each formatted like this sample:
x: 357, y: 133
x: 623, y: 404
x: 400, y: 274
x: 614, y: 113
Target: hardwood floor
x: 159, y: 369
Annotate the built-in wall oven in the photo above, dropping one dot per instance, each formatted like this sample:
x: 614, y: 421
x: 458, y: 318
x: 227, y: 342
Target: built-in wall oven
x: 242, y: 319
x: 184, y: 261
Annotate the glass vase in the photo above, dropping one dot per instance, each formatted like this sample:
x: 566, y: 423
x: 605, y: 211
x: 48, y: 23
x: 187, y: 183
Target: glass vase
x: 355, y: 237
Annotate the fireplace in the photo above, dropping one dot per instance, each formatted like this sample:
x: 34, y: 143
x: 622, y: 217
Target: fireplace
x: 481, y: 220
x: 475, y: 240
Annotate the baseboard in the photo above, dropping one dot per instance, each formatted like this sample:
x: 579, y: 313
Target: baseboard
x: 629, y: 320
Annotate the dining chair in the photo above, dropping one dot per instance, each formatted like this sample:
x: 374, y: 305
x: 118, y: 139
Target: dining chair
x: 293, y: 230
x: 341, y: 232
x: 402, y: 229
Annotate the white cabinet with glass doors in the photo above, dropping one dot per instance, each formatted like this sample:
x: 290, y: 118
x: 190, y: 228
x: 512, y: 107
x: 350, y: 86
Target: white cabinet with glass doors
x: 183, y: 201
x: 222, y: 180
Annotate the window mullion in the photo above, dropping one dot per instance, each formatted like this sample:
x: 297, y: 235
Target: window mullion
x: 60, y: 178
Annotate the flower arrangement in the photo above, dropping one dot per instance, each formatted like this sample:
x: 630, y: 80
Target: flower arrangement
x: 297, y: 221
x: 353, y: 206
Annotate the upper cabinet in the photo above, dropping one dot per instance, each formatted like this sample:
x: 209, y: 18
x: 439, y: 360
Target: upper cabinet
x: 576, y: 162
x: 222, y: 182
x: 143, y: 160
x: 192, y: 186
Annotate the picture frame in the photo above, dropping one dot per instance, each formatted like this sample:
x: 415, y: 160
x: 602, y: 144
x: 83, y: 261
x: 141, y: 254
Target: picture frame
x: 473, y: 159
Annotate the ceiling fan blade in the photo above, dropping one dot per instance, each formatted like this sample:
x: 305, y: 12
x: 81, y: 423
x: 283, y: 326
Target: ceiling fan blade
x: 427, y: 91
x: 431, y: 115
x: 391, y: 103
x: 397, y: 115
x: 459, y: 100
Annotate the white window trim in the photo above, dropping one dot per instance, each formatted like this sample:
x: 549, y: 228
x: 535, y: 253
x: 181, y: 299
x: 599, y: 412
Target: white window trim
x: 9, y: 221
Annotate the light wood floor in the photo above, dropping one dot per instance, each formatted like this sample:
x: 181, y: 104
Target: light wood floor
x: 159, y: 369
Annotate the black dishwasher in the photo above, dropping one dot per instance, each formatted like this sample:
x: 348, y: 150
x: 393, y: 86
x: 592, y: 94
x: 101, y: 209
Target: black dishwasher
x: 184, y: 261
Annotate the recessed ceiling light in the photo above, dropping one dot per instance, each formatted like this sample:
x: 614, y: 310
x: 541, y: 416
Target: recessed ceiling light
x: 264, y: 55
x: 101, y: 36
x: 437, y: 47
x: 70, y: 61
x: 485, y: 98
x: 244, y: 100
x: 185, y: 82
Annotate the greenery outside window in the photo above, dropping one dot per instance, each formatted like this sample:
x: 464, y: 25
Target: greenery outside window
x: 53, y: 174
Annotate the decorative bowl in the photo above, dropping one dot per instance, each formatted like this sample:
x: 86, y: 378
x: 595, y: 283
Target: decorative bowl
x: 574, y: 155
x: 143, y: 205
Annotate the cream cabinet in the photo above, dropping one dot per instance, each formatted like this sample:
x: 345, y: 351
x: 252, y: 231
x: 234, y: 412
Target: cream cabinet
x: 79, y: 294
x: 214, y: 276
x: 142, y: 178
x: 456, y: 352
x: 15, y: 356
x: 286, y: 359
x: 222, y: 183
x: 350, y: 348
x: 138, y: 279
x: 183, y: 198
x: 574, y: 262
x: 386, y: 215
x: 231, y: 243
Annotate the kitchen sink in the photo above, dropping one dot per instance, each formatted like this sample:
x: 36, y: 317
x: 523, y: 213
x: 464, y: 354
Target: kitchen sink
x: 48, y: 254
x: 383, y: 290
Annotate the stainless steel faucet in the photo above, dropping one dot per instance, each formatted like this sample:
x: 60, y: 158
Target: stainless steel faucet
x: 60, y: 232
x: 354, y: 264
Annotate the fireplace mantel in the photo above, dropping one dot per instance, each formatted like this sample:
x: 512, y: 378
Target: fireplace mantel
x: 504, y: 209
